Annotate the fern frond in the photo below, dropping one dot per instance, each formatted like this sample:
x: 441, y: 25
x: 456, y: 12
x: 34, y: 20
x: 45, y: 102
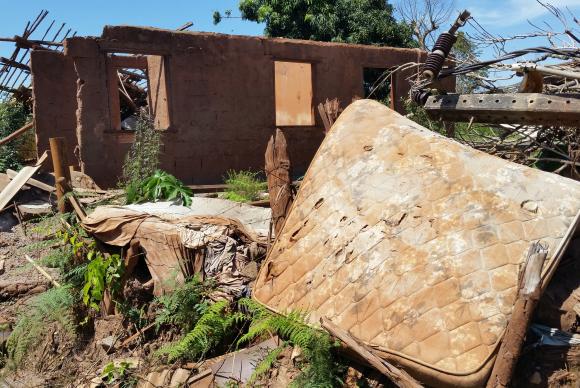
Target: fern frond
x: 264, y: 366
x: 211, y: 328
x: 54, y: 305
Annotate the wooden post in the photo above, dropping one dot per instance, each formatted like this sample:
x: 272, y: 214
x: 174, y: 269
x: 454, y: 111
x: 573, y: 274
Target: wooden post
x: 529, y: 290
x: 61, y: 172
x: 279, y: 181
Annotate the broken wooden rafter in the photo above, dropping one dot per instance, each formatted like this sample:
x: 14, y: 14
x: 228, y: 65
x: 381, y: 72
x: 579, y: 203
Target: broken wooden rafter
x: 16, y: 64
x: 513, y: 108
x: 17, y: 133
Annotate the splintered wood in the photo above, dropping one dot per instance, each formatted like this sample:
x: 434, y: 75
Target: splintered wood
x: 279, y: 180
x: 528, y: 295
x: 329, y: 112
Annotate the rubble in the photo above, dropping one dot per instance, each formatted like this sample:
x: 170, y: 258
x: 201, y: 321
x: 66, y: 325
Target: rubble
x: 405, y: 258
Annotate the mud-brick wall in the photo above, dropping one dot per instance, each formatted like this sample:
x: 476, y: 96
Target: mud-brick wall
x: 221, y: 97
x: 54, y: 94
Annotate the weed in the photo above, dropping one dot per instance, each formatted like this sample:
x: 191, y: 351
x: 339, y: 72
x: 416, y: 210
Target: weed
x: 184, y: 306
x: 159, y: 186
x: 118, y: 374
x: 210, y: 330
x: 54, y: 305
x: 243, y: 186
x: 143, y: 158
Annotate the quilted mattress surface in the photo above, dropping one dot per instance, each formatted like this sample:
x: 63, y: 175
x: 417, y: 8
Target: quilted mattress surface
x: 412, y: 242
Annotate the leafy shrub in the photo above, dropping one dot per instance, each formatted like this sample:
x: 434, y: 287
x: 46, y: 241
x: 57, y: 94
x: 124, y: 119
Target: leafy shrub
x: 143, y: 158
x: 184, y: 306
x: 101, y: 273
x: 210, y: 330
x: 13, y: 115
x: 54, y: 305
x: 159, y: 186
x: 243, y: 186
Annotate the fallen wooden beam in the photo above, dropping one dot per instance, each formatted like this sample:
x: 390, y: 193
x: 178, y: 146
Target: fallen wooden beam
x: 18, y: 65
x: 32, y: 182
x: 398, y: 376
x: 17, y: 133
x: 529, y: 290
x: 511, y: 108
x: 19, y: 180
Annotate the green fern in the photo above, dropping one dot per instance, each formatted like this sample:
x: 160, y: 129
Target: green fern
x: 209, y: 331
x: 184, y: 306
x: 54, y: 305
x: 321, y: 370
x: 264, y: 366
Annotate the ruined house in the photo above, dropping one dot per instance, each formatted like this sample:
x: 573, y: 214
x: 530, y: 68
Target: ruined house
x: 217, y: 98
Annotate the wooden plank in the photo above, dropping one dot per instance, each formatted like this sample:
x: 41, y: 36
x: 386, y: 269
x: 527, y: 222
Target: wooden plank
x: 513, y: 108
x: 19, y: 180
x: 32, y: 182
x: 208, y: 188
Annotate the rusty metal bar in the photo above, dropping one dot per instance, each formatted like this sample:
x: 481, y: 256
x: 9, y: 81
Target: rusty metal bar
x: 517, y: 108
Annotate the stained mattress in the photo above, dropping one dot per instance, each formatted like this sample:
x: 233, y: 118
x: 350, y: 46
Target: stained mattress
x: 412, y: 242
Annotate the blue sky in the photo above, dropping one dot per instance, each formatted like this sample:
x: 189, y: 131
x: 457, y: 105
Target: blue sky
x: 505, y: 17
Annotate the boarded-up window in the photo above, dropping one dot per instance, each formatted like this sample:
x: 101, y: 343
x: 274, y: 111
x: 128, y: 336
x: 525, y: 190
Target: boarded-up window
x: 293, y: 93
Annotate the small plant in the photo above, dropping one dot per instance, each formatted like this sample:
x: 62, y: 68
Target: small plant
x: 54, y: 305
x: 113, y: 373
x: 159, y: 186
x: 101, y: 273
x: 143, y: 158
x: 243, y: 186
x: 321, y: 369
x: 184, y: 306
x: 209, y: 331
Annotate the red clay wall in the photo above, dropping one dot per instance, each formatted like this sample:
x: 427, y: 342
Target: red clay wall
x: 220, y: 91
x: 54, y: 93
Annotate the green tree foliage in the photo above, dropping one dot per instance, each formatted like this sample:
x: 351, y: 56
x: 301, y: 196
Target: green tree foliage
x: 349, y: 21
x: 13, y: 115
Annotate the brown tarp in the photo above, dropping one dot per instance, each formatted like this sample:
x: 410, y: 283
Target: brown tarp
x: 223, y: 244
x: 412, y: 242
